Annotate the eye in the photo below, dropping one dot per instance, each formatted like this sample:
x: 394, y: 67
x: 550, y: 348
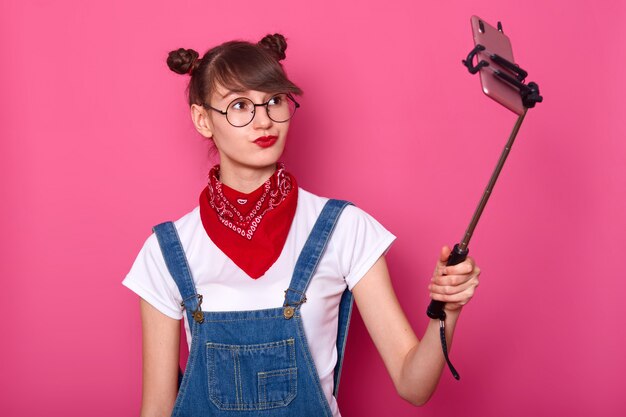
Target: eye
x: 276, y: 100
x: 241, y: 105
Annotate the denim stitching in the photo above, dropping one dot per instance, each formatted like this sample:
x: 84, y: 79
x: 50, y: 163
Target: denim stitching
x: 262, y: 391
x: 280, y: 343
x: 210, y: 360
x: 305, y: 274
x: 239, y: 378
x: 172, y: 249
x: 190, y: 286
x: 311, y: 368
x: 278, y: 372
x: 239, y: 400
x: 182, y: 390
x: 243, y: 319
x: 292, y: 382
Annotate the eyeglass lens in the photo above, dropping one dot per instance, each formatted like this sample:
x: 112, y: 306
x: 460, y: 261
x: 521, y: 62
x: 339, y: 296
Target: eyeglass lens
x: 241, y: 111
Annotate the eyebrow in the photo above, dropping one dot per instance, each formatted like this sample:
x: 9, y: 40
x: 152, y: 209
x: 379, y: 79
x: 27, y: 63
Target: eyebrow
x: 231, y: 92
x: 240, y: 93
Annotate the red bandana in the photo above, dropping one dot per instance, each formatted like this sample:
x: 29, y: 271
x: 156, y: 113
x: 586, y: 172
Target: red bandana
x: 251, y: 229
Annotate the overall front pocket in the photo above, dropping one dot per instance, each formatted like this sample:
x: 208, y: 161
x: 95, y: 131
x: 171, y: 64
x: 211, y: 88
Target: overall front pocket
x: 252, y: 377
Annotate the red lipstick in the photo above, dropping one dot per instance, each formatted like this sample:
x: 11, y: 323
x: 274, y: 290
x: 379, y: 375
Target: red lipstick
x: 266, y: 141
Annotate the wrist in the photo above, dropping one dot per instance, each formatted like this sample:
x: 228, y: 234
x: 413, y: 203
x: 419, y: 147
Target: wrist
x: 452, y: 312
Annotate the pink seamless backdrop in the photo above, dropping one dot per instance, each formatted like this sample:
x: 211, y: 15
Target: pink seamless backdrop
x: 97, y: 146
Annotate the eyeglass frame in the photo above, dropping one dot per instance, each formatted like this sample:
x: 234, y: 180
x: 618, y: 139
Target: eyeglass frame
x: 267, y: 110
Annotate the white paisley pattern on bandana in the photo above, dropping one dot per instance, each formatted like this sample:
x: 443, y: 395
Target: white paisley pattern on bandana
x: 275, y: 190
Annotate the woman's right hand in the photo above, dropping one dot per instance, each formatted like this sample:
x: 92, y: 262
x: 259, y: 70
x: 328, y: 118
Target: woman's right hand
x: 454, y: 285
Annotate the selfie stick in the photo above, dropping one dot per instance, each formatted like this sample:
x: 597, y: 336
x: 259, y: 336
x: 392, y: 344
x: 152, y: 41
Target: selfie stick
x: 530, y: 96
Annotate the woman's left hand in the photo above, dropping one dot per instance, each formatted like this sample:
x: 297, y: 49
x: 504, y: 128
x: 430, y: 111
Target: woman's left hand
x: 454, y: 285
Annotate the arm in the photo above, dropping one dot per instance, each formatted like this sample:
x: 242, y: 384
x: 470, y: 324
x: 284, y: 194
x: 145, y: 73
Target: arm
x: 414, y: 366
x: 161, y: 339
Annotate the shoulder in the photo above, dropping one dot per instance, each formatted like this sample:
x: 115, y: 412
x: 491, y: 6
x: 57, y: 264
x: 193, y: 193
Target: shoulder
x: 312, y: 205
x: 189, y: 225
x: 186, y: 227
x: 310, y: 202
x: 149, y: 276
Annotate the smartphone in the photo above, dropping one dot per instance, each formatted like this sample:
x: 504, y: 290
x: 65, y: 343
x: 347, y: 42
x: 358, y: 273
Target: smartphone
x: 496, y: 42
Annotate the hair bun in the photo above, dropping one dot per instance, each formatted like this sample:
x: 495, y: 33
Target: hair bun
x: 183, y: 61
x: 275, y: 44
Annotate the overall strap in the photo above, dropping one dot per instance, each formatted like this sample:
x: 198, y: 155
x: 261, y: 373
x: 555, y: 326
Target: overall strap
x: 305, y: 268
x: 312, y: 252
x: 176, y: 262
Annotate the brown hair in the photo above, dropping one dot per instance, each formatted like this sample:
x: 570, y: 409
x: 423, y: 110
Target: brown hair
x: 235, y: 65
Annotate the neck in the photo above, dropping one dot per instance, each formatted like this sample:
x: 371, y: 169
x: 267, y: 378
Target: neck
x: 245, y: 179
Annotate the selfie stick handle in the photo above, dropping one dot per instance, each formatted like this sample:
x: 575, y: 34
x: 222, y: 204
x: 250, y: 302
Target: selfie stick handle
x: 459, y: 253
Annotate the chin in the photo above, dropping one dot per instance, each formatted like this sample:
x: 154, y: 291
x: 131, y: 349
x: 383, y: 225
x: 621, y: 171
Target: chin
x: 272, y: 155
x: 265, y: 162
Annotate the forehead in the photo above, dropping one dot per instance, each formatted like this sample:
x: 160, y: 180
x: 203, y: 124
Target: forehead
x: 221, y: 93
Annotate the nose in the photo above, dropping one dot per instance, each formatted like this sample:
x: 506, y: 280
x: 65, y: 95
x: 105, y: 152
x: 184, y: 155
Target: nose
x: 261, y: 118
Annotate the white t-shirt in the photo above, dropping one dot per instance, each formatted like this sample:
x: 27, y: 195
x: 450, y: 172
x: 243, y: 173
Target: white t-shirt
x: 356, y: 244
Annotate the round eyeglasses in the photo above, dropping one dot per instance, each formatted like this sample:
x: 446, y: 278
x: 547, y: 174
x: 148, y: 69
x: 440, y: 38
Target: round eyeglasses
x: 240, y: 112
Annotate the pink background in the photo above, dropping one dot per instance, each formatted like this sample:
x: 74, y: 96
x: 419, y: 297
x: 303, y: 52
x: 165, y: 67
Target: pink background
x: 97, y: 146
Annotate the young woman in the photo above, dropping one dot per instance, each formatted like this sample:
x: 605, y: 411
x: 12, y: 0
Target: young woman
x: 263, y: 272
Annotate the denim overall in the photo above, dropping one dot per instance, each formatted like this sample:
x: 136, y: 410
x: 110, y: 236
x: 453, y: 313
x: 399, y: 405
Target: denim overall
x: 258, y: 362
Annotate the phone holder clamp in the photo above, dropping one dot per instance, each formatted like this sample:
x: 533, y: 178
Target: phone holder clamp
x: 529, y: 92
x: 473, y: 69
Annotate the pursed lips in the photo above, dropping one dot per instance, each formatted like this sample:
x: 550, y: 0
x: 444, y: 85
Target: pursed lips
x: 266, y: 141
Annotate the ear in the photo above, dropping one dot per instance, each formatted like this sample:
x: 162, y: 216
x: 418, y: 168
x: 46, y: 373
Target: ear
x: 201, y: 121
